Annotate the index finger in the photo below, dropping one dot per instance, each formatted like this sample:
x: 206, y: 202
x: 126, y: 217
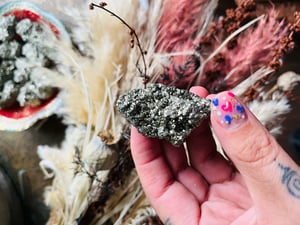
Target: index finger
x: 161, y: 185
x: 202, y: 151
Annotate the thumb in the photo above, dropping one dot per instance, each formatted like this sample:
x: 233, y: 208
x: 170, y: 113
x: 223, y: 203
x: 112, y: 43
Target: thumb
x: 255, y: 153
x: 247, y: 143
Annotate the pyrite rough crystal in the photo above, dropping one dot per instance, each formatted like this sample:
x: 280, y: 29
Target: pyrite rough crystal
x: 164, y: 112
x: 25, y: 47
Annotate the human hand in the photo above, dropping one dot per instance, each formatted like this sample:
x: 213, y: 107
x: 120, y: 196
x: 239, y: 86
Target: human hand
x: 265, y: 188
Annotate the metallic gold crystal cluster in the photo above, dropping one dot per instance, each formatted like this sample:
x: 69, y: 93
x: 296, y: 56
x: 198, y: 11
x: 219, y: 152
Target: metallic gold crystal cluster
x: 24, y: 52
x: 164, y: 112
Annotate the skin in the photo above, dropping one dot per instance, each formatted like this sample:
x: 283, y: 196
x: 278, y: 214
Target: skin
x: 210, y: 190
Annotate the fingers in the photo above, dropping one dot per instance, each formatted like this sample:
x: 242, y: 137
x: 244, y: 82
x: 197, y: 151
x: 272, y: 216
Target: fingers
x: 176, y: 160
x: 202, y: 151
x: 165, y: 180
x: 150, y: 164
x: 255, y: 153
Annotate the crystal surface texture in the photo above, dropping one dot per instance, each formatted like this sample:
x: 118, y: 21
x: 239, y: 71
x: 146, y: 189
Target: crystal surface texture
x: 164, y: 112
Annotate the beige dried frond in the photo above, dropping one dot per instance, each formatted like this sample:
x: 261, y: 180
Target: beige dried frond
x: 147, y: 31
x: 78, y: 170
x: 91, y: 82
x: 92, y: 78
x: 58, y: 163
x: 271, y: 112
x: 243, y: 86
x: 126, y: 205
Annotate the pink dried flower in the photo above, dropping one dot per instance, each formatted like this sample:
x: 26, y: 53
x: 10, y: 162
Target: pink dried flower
x: 261, y: 46
x: 179, y: 23
x: 256, y: 48
x: 178, y: 27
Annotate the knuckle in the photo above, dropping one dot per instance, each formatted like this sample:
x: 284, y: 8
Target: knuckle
x: 259, y: 151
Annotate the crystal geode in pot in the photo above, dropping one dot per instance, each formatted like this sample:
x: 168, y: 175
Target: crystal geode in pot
x: 26, y: 35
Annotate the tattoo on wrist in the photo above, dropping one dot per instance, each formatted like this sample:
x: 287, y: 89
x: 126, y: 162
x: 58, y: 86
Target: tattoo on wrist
x: 291, y: 180
x: 168, y: 222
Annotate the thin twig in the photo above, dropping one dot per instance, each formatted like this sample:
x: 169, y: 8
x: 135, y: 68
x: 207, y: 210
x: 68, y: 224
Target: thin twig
x: 132, y: 33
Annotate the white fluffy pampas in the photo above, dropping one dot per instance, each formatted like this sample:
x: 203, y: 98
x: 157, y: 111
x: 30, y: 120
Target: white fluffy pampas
x: 93, y: 75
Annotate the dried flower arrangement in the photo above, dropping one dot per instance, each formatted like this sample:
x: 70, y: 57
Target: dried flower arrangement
x: 93, y: 177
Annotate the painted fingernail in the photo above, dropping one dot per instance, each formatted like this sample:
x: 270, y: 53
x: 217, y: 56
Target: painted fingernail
x: 227, y: 110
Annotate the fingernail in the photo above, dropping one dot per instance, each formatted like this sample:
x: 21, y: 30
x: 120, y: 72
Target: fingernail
x: 227, y: 110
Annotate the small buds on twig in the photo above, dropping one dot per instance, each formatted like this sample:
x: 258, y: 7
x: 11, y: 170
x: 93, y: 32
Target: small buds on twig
x: 132, y: 33
x: 102, y: 4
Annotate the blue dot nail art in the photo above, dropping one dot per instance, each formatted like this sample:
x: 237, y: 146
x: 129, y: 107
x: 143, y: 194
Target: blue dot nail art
x: 229, y: 111
x: 240, y: 108
x: 228, y: 119
x: 215, y: 102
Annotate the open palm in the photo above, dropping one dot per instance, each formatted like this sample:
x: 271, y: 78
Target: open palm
x: 204, y: 191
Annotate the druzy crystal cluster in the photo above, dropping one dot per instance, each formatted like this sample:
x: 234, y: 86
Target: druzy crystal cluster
x: 23, y: 52
x: 164, y: 112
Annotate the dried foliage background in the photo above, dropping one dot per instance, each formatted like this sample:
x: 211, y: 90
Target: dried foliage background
x: 88, y: 175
